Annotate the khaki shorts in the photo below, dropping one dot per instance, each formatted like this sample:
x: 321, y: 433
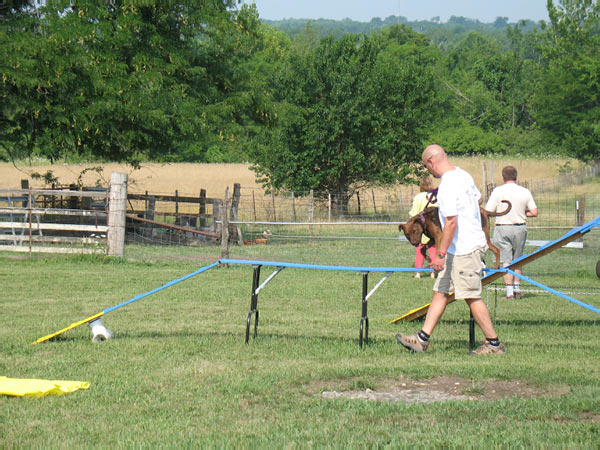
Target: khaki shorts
x: 462, y: 275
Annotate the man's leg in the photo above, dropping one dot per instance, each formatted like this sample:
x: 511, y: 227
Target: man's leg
x: 517, y: 285
x: 481, y: 315
x: 435, y: 311
x: 420, y: 341
x: 508, y: 283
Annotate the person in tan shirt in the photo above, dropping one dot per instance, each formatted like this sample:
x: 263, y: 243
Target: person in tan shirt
x: 510, y: 232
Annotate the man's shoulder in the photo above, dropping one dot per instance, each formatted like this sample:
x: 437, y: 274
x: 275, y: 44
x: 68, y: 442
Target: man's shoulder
x: 510, y: 187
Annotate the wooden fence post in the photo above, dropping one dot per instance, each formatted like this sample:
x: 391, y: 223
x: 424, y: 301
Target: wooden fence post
x: 177, y: 218
x: 311, y: 213
x: 374, y: 205
x: 273, y: 203
x: 225, y: 226
x: 236, y: 231
x: 484, y: 181
x: 293, y: 208
x: 116, y: 217
x: 202, y: 209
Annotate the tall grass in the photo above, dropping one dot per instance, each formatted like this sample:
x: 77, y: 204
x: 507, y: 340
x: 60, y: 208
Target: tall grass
x: 189, y: 178
x: 178, y: 372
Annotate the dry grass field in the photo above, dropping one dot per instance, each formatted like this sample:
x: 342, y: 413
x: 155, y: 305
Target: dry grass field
x: 189, y: 178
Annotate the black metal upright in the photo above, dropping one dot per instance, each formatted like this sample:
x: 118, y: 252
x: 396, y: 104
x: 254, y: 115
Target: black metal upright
x: 253, y: 303
x: 364, y: 321
x: 471, y: 332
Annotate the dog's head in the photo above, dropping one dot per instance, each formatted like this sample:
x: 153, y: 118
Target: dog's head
x: 413, y: 230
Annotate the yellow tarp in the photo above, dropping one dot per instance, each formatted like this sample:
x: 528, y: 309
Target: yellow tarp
x: 39, y: 388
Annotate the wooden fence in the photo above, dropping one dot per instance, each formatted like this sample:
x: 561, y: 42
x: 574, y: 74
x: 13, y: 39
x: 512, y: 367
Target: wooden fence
x: 74, y: 221
x: 27, y: 225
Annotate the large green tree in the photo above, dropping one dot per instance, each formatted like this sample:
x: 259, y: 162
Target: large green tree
x: 568, y: 98
x: 352, y: 112
x: 486, y: 96
x: 128, y: 80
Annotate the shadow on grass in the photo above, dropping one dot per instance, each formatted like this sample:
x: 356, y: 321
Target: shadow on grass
x: 262, y: 337
x: 531, y: 322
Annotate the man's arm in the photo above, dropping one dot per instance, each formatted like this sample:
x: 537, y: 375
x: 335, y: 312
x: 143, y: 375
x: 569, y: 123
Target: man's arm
x: 448, y: 234
x: 492, y: 202
x: 532, y: 213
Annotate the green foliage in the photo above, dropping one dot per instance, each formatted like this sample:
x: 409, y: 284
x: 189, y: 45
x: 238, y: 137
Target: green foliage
x: 129, y: 82
x: 311, y: 105
x: 352, y: 112
x: 569, y: 96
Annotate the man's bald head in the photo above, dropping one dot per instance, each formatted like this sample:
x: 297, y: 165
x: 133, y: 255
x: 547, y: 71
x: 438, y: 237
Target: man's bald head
x: 435, y: 159
x: 435, y: 152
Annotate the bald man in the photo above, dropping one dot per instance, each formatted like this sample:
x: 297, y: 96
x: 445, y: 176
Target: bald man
x: 459, y: 258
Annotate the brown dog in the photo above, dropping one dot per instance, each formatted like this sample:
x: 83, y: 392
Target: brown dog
x: 428, y: 223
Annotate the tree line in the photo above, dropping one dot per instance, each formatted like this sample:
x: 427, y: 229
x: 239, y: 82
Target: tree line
x: 208, y: 81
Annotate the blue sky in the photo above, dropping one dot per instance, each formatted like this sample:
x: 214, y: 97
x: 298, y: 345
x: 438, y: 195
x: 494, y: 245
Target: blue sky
x: 365, y: 10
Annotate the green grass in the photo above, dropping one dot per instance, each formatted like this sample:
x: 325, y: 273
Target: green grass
x: 178, y: 372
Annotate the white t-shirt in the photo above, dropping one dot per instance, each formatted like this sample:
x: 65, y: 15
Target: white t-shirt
x: 520, y: 198
x: 458, y: 196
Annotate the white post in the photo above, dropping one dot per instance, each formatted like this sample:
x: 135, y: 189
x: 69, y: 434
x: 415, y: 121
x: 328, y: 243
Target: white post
x: 116, y: 215
x: 225, y: 226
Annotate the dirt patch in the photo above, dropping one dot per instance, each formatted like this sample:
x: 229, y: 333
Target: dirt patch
x: 590, y: 417
x: 445, y: 388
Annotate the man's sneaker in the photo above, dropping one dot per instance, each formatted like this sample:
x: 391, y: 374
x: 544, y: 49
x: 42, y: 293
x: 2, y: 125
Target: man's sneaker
x: 412, y: 342
x: 509, y: 297
x: 488, y: 349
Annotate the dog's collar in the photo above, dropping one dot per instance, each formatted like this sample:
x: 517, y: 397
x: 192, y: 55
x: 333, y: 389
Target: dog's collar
x: 421, y: 216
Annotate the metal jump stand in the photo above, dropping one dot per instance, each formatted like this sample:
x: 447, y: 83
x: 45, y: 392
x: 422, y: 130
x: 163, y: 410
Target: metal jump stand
x: 256, y: 288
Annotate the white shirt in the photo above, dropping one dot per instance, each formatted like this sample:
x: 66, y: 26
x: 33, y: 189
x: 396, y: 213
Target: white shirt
x: 520, y: 198
x: 458, y: 196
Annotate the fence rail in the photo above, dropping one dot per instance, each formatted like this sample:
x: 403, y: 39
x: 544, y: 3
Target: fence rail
x: 36, y: 215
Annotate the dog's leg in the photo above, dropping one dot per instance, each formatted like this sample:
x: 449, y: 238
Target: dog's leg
x: 496, y: 253
x: 485, y: 225
x: 425, y: 253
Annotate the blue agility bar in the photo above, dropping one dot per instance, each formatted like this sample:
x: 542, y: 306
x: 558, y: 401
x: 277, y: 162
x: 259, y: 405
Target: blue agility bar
x: 546, y: 288
x: 170, y: 283
x: 577, y: 230
x: 321, y: 267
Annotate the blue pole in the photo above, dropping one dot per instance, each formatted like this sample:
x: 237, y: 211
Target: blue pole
x: 170, y: 283
x: 549, y: 289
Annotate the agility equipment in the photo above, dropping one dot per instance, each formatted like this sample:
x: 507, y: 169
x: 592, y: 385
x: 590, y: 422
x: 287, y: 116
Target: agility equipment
x: 364, y: 320
x: 494, y: 274
x: 100, y: 332
x: 96, y: 317
x: 19, y: 387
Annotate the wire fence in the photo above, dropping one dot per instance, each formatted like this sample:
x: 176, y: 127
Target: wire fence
x: 393, y: 205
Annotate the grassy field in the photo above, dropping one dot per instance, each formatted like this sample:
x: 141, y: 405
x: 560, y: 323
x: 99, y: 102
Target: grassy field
x: 178, y: 372
x: 189, y: 178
